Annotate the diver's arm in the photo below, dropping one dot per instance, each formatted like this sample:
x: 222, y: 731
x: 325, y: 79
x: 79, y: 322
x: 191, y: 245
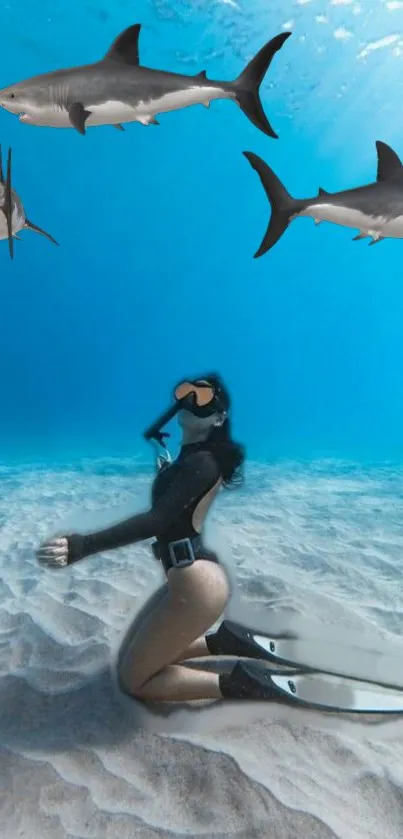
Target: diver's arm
x: 198, y: 474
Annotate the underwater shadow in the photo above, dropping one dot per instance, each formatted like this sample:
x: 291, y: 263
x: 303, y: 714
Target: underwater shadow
x: 92, y: 715
x: 98, y: 714
x: 95, y: 714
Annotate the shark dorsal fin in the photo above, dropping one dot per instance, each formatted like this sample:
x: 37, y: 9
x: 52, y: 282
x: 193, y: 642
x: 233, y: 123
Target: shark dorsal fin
x: 322, y: 191
x: 125, y: 47
x: 1, y: 169
x: 201, y: 75
x: 389, y: 164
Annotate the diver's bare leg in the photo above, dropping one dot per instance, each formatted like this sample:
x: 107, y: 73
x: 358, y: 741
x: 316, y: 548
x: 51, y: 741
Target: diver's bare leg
x: 197, y: 597
x: 198, y: 649
x: 157, y: 597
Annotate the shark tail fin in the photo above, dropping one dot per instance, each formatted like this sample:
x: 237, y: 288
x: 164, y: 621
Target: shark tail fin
x: 282, y: 204
x: 248, y: 83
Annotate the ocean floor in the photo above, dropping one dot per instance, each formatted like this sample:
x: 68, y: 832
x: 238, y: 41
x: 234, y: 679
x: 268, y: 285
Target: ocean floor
x: 322, y: 544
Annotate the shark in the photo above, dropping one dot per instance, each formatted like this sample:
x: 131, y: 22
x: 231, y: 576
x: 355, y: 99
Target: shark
x: 12, y: 213
x: 375, y: 210
x: 117, y: 89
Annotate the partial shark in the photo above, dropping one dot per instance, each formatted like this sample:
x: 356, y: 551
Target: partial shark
x: 117, y: 89
x: 376, y: 209
x: 12, y: 213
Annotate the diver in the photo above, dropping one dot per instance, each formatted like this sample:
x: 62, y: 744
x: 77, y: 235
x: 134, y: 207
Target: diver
x: 172, y: 626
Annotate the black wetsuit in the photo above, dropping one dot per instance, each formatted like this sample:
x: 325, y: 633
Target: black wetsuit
x: 176, y: 492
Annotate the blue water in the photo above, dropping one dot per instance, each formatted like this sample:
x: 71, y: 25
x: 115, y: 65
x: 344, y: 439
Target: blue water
x: 154, y: 277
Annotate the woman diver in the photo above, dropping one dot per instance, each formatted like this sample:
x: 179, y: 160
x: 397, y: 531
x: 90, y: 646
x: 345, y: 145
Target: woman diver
x: 171, y: 627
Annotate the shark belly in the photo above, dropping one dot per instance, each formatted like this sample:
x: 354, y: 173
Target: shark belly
x: 356, y: 219
x: 17, y: 224
x: 114, y: 110
x: 394, y: 228
x: 47, y: 116
x: 17, y: 219
x: 144, y: 110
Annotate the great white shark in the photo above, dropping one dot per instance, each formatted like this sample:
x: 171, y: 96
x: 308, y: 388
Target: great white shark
x: 117, y: 89
x: 375, y: 209
x: 12, y: 213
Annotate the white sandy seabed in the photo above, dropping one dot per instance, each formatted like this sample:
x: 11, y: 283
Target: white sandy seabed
x: 79, y: 760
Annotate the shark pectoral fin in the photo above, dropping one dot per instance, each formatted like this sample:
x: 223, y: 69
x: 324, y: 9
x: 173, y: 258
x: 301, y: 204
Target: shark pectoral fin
x: 8, y: 207
x: 119, y: 126
x: 376, y: 239
x: 360, y: 236
x: 125, y: 47
x: 29, y: 225
x: 317, y: 221
x: 78, y: 115
x: 389, y: 164
x: 147, y: 120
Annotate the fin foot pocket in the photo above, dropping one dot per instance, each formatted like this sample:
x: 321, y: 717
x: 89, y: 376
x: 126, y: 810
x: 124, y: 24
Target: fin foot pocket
x: 246, y: 681
x: 233, y: 639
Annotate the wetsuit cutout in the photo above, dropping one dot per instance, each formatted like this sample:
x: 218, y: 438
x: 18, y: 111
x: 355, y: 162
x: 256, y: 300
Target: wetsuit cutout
x: 177, y: 491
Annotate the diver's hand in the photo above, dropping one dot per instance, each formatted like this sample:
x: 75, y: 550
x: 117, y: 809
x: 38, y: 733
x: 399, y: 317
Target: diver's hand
x: 61, y: 550
x: 54, y: 553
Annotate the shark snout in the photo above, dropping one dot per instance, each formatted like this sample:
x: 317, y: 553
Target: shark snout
x: 10, y: 100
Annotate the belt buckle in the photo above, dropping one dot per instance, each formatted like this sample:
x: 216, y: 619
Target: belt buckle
x: 181, y: 563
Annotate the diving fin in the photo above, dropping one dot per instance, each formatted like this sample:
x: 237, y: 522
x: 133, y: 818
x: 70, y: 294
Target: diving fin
x: 311, y: 690
x: 341, y: 652
x: 233, y: 639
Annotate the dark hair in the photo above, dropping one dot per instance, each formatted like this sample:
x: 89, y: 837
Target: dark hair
x: 229, y: 455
